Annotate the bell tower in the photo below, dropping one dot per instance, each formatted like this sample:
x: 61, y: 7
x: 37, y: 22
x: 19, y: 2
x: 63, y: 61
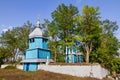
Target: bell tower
x: 38, y: 51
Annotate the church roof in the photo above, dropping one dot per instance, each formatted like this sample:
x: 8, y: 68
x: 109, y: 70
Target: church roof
x: 37, y: 32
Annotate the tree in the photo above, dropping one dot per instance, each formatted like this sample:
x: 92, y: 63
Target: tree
x: 4, y: 53
x: 50, y: 31
x: 53, y: 43
x: 24, y: 31
x: 109, y: 44
x: 16, y: 39
x: 10, y: 42
x: 63, y: 21
x: 88, y: 28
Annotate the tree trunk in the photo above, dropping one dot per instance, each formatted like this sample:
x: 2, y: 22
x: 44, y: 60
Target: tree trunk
x: 71, y: 57
x: 55, y: 57
x: 87, y: 57
x: 87, y: 54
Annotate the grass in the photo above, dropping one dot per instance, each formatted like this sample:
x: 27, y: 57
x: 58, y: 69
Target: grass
x: 15, y: 74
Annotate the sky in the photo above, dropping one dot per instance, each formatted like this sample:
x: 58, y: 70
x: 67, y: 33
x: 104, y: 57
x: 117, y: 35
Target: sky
x: 14, y: 13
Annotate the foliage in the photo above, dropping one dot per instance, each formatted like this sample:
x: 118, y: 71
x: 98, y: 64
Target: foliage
x: 51, y: 31
x: 4, y: 53
x: 54, y: 43
x: 108, y: 47
x: 24, y: 34
x: 63, y: 20
x: 114, y: 65
x: 60, y: 57
x: 10, y: 41
x: 97, y: 37
x: 88, y: 28
x: 15, y: 40
x: 61, y: 29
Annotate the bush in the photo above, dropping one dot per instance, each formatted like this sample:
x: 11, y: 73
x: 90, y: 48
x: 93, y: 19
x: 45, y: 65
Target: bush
x: 114, y: 65
x: 10, y: 67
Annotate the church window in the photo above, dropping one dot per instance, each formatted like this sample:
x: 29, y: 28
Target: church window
x: 32, y: 40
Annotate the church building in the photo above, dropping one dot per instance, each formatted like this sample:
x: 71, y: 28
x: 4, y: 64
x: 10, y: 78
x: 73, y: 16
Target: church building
x: 38, y: 52
x: 73, y: 55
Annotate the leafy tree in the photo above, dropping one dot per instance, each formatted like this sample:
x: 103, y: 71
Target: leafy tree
x: 45, y: 28
x: 53, y: 41
x: 88, y: 28
x: 108, y: 26
x: 63, y: 21
x: 4, y: 53
x: 109, y: 44
x: 10, y: 41
x: 16, y: 39
x: 50, y: 30
x: 23, y: 32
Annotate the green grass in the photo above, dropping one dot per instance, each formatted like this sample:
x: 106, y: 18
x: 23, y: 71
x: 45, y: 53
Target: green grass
x: 14, y: 74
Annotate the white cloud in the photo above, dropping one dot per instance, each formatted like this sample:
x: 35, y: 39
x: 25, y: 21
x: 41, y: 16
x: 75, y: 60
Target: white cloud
x: 4, y: 30
x: 10, y: 27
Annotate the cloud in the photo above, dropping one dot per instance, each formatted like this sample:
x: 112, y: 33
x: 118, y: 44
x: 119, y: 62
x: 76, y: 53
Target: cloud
x: 4, y: 30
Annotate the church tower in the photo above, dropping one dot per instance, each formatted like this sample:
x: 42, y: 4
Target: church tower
x: 38, y: 51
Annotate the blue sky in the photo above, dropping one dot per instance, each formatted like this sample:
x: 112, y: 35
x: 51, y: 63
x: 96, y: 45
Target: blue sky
x: 16, y: 12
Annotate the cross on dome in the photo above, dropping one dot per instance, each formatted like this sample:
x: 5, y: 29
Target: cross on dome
x: 38, y: 22
x: 37, y: 32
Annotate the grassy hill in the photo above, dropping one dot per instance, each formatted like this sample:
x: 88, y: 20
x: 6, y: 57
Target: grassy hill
x: 14, y: 74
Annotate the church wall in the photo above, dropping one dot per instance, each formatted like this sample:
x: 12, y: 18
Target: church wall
x: 31, y: 43
x: 71, y: 58
x: 32, y: 66
x: 36, y: 44
x: 24, y: 67
x: 31, y: 54
x: 29, y: 67
x: 45, y: 45
x: 44, y: 53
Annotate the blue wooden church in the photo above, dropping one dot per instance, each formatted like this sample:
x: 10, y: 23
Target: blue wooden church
x: 73, y: 55
x: 38, y: 52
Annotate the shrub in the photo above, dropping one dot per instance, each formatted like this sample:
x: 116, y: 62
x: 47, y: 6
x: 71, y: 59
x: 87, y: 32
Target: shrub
x: 114, y: 65
x: 10, y: 67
